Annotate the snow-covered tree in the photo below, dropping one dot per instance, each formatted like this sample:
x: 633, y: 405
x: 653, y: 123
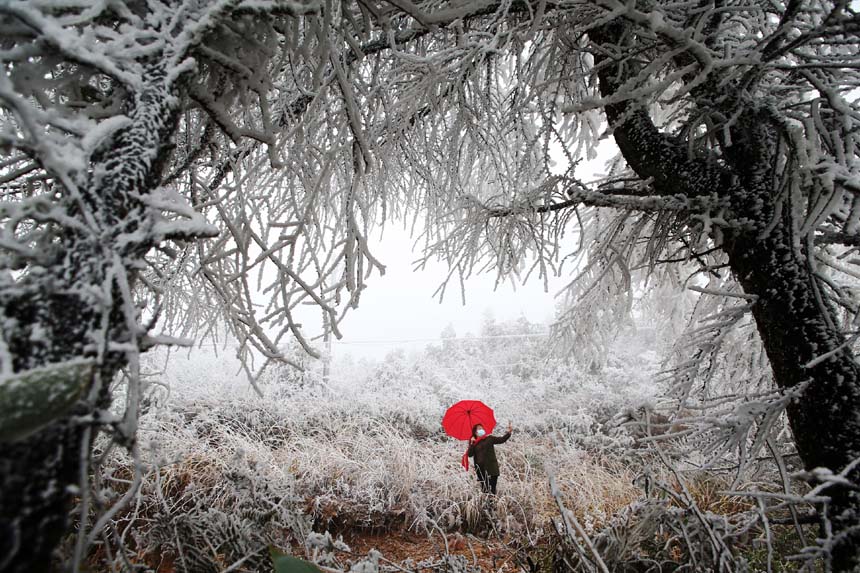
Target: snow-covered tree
x: 163, y: 163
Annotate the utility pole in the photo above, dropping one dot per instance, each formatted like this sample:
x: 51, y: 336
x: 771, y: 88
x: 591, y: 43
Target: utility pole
x: 327, y: 342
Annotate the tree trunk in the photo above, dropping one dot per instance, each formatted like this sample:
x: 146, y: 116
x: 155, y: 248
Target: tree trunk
x: 36, y: 472
x: 795, y: 324
x: 796, y: 327
x: 46, y: 320
x: 35, y: 475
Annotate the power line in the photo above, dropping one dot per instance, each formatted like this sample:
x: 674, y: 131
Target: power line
x: 404, y: 340
x: 231, y: 346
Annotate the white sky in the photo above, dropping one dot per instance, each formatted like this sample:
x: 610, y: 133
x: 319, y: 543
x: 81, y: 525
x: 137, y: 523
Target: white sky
x: 398, y: 309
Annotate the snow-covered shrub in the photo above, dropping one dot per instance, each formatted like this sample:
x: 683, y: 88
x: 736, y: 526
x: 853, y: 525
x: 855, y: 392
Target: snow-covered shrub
x: 224, y: 481
x: 363, y: 450
x: 210, y: 495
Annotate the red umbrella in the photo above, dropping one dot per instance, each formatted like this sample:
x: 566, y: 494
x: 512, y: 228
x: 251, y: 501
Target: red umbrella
x: 464, y: 415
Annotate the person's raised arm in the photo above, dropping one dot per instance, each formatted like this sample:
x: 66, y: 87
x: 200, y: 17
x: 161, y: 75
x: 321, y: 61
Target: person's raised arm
x: 503, y: 439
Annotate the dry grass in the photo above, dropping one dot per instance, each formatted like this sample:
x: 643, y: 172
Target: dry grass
x: 706, y: 489
x: 213, y: 491
x: 223, y: 480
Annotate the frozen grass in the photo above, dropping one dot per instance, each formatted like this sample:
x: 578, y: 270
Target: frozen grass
x: 226, y: 481
x: 226, y: 474
x: 356, y: 469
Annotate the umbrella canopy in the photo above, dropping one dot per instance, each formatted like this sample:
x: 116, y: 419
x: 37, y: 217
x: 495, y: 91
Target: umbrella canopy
x: 462, y: 417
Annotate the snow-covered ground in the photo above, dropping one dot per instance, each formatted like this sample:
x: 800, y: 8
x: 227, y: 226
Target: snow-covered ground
x: 357, y: 448
x: 364, y: 449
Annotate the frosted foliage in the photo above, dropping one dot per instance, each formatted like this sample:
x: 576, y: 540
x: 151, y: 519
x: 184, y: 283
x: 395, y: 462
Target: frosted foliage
x: 171, y: 170
x: 364, y: 451
x: 295, y: 133
x: 225, y: 473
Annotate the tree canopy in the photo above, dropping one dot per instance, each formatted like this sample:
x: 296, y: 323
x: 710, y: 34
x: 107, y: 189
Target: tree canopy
x: 163, y: 162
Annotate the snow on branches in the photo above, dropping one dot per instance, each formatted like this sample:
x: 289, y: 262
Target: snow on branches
x: 131, y: 132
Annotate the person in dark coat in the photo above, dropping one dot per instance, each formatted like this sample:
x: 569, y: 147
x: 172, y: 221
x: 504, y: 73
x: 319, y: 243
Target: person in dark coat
x: 482, y: 448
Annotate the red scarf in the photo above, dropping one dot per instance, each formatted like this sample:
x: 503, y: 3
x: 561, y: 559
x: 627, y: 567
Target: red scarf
x: 465, y: 461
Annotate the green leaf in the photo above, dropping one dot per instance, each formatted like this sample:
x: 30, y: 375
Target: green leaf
x: 288, y: 564
x: 32, y: 399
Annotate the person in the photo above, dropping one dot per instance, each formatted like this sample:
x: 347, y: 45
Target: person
x: 482, y: 448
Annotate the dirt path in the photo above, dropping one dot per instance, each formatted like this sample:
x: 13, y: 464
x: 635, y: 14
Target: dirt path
x: 397, y: 547
x: 407, y: 551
